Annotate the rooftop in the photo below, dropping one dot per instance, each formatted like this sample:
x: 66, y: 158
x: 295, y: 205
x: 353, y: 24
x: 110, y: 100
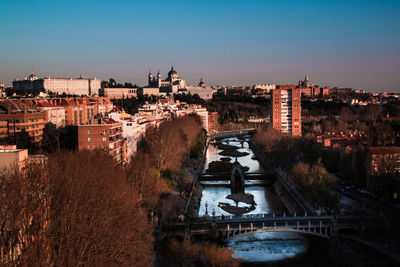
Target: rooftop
x: 385, y: 150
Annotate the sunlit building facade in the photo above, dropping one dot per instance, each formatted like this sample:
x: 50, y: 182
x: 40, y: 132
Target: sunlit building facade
x: 70, y: 86
x: 286, y: 110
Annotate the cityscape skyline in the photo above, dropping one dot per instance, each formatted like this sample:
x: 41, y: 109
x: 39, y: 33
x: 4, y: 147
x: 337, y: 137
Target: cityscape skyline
x: 232, y: 43
x: 199, y: 133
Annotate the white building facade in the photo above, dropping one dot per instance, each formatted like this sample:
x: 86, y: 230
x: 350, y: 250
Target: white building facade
x: 70, y: 86
x: 118, y: 93
x: 54, y: 115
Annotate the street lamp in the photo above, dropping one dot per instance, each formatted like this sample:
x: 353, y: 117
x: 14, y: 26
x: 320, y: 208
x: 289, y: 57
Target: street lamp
x: 213, y: 214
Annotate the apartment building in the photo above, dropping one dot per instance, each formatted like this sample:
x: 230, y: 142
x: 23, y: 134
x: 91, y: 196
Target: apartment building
x: 54, y: 114
x: 213, y: 125
x: 286, y: 109
x: 134, y: 128
x: 81, y: 109
x: 20, y: 124
x: 104, y: 134
x: 384, y: 160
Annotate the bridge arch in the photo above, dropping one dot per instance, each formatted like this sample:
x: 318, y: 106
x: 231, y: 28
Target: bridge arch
x: 301, y: 231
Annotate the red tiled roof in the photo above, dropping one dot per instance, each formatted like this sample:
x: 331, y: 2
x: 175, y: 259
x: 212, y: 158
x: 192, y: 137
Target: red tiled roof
x: 115, y: 109
x: 109, y: 120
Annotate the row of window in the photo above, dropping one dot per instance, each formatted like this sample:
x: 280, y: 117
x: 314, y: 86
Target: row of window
x: 112, y: 138
x: 21, y: 120
x: 22, y: 127
x: 104, y: 132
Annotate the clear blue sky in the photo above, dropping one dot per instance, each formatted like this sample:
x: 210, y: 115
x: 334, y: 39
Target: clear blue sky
x: 337, y: 43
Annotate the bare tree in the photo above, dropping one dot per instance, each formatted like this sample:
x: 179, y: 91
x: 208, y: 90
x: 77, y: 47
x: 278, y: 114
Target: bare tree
x: 77, y: 211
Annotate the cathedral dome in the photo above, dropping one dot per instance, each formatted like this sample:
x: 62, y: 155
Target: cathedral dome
x: 32, y: 77
x: 201, y: 83
x: 172, y: 72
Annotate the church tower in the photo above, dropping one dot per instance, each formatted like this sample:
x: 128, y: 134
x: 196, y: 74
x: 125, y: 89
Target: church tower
x: 201, y: 83
x: 150, y: 78
x: 158, y: 79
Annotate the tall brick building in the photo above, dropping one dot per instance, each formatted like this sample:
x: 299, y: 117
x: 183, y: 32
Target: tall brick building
x: 105, y: 134
x: 286, y: 109
x: 213, y: 125
x: 384, y: 160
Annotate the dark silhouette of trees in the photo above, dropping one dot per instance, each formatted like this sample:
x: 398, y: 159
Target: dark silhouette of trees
x: 240, y: 107
x: 302, y: 160
x: 190, y: 99
x: 201, y: 139
x: 112, y: 83
x: 57, y: 139
x: 317, y: 184
x: 131, y: 105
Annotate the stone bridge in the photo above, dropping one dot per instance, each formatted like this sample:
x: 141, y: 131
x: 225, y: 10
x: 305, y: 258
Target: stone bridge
x: 233, y: 133
x: 227, y: 227
x: 225, y: 176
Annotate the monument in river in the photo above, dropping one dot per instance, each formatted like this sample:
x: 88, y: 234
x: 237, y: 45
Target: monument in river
x: 237, y: 178
x: 237, y: 193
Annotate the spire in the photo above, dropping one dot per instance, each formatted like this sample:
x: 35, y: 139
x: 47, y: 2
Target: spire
x: 201, y: 83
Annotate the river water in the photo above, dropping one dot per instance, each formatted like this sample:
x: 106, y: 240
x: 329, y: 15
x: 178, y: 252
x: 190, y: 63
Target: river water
x: 259, y: 248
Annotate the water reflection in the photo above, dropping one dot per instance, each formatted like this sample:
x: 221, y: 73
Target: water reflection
x: 259, y: 247
x: 217, y: 191
x: 268, y: 246
x: 212, y: 154
x: 215, y: 194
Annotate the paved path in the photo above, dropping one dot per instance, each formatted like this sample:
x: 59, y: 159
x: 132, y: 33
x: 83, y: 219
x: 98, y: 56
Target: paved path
x: 393, y: 255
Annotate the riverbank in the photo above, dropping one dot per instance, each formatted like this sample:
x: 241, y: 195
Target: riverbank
x: 291, y: 204
x: 193, y: 202
x: 267, y: 201
x: 285, y: 197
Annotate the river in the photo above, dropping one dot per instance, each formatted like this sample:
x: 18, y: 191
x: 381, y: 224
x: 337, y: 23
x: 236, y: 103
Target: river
x: 258, y: 248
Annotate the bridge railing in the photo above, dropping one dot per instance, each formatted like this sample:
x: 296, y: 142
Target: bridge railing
x: 232, y: 133
x: 267, y: 216
x: 228, y: 173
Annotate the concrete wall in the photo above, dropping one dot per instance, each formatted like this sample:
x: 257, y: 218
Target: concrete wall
x: 13, y: 157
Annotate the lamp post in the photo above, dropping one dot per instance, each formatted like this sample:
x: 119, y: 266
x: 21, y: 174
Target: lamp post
x: 213, y: 214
